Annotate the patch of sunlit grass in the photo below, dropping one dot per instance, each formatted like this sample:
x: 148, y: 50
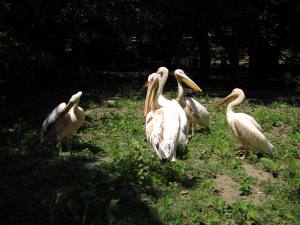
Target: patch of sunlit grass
x: 113, y: 170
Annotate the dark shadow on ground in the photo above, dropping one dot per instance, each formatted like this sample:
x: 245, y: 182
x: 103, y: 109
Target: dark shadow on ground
x: 60, y: 191
x: 41, y: 188
x: 38, y: 187
x: 182, y: 152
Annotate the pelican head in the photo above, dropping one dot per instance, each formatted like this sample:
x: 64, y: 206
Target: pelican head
x: 150, y: 79
x: 181, y: 76
x: 76, y: 98
x: 235, y: 94
x: 151, y: 96
x: 163, y: 71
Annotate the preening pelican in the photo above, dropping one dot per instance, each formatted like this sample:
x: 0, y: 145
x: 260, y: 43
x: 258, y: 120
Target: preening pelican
x: 63, y: 121
x: 162, y: 122
x: 245, y: 127
x: 195, y: 112
x: 162, y: 101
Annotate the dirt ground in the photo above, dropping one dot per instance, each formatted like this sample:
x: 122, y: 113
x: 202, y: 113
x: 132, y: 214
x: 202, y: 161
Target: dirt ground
x: 229, y: 189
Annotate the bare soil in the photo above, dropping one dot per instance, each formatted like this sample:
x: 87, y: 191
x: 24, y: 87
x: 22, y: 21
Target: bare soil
x: 230, y: 191
x: 259, y: 175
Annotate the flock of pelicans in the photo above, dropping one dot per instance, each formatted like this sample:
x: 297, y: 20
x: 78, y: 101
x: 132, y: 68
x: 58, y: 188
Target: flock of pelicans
x: 168, y: 122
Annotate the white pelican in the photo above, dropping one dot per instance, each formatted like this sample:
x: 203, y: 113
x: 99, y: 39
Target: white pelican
x: 162, y: 101
x: 195, y: 112
x: 63, y: 121
x: 162, y: 122
x: 245, y: 127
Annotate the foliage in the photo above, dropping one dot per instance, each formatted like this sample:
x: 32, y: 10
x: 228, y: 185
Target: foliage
x: 40, y: 40
x: 246, y: 186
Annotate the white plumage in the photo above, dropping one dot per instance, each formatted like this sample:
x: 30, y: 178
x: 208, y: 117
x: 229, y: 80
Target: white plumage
x: 162, y: 122
x: 162, y: 101
x: 162, y: 128
x: 245, y: 127
x: 63, y: 121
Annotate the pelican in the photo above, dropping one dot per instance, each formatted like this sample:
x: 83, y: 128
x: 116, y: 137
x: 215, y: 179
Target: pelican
x: 195, y: 112
x: 63, y: 121
x: 162, y: 122
x: 245, y: 127
x: 162, y: 101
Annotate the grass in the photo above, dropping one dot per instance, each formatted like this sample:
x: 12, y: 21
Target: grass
x: 113, y: 176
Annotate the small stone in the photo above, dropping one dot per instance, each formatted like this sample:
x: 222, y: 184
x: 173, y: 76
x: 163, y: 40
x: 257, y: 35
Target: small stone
x: 184, y: 192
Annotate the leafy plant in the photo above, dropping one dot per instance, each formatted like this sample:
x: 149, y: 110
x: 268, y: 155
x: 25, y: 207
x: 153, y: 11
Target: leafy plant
x: 245, y: 187
x: 270, y: 165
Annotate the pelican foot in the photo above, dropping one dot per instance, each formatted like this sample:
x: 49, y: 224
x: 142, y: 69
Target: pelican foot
x: 242, y: 152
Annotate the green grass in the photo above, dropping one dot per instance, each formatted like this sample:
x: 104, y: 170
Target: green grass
x: 113, y: 176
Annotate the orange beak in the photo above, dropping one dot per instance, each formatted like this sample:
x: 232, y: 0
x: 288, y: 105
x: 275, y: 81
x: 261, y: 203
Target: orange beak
x: 146, y: 84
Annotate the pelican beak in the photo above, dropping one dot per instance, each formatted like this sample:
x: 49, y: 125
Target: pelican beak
x: 226, y: 100
x: 189, y: 82
x: 146, y: 84
x: 149, y: 81
x: 147, y: 104
x: 151, y: 94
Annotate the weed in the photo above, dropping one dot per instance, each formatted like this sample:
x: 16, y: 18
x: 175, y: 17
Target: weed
x: 245, y: 186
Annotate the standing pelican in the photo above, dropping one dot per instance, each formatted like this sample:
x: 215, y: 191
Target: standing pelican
x: 245, y: 127
x: 162, y: 101
x: 195, y: 112
x: 63, y: 121
x: 163, y: 72
x: 162, y: 122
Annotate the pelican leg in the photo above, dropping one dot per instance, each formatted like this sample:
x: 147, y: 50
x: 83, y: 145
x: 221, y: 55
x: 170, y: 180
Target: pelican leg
x: 193, y: 130
x: 68, y: 145
x: 59, y: 146
x: 173, y: 159
x: 242, y: 152
x: 190, y: 131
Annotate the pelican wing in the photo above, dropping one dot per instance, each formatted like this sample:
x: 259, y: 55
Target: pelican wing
x: 49, y: 122
x: 250, y: 136
x: 251, y: 119
x: 162, y: 101
x: 162, y: 129
x: 199, y: 112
